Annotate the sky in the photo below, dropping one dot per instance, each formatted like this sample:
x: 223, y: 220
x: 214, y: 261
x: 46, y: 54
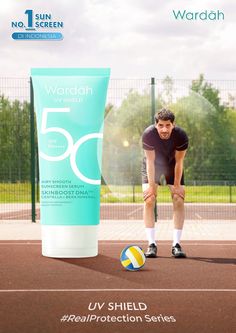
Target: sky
x: 136, y: 38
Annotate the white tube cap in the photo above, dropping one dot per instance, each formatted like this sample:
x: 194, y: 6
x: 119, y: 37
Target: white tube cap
x: 60, y: 241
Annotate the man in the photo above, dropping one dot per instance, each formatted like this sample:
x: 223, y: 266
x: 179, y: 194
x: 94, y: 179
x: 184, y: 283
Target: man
x: 164, y: 147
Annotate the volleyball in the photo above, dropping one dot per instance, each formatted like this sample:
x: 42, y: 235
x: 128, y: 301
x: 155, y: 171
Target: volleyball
x: 132, y: 258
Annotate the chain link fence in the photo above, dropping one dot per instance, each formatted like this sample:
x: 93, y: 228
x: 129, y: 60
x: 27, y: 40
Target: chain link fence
x: 205, y: 109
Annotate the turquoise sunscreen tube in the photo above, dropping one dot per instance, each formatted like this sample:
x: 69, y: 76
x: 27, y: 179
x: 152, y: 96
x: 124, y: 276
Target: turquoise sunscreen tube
x: 69, y: 105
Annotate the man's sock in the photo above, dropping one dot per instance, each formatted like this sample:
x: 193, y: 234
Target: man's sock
x: 150, y: 233
x: 176, y: 236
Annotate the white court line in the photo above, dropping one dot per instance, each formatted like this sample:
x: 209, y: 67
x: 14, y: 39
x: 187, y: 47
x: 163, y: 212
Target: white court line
x: 133, y: 241
x: 26, y: 243
x: 12, y: 217
x: 115, y: 290
x: 135, y: 210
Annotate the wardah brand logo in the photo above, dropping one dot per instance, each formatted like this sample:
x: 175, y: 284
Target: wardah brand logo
x: 33, y: 27
x: 82, y: 90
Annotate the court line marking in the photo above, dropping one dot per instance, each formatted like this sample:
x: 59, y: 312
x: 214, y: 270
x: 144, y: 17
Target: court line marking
x: 115, y: 290
x: 134, y: 211
x: 15, y: 216
x: 133, y: 241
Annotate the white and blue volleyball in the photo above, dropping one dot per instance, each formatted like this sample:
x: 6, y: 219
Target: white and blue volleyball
x: 132, y: 258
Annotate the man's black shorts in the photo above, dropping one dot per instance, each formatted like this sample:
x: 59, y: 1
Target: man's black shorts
x: 164, y: 174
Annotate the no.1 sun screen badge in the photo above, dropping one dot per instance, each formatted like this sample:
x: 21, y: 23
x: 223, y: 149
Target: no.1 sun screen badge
x: 132, y: 258
x: 32, y: 25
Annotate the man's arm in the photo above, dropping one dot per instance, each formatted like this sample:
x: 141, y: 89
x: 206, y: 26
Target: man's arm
x: 150, y: 162
x: 179, y: 165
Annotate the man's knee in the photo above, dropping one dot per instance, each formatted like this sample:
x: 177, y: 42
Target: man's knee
x: 150, y: 201
x: 178, y: 201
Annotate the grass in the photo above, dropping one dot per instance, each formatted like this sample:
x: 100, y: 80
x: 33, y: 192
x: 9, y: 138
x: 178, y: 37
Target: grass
x: 15, y: 192
x: 194, y: 194
x: 21, y: 192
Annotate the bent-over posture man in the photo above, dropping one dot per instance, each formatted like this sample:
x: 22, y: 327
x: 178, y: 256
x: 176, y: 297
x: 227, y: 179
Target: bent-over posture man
x: 164, y: 147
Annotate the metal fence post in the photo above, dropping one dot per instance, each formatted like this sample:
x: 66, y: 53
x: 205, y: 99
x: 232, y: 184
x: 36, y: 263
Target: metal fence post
x: 37, y: 173
x: 153, y: 102
x: 153, y: 111
x: 32, y: 152
x: 133, y: 186
x: 230, y: 193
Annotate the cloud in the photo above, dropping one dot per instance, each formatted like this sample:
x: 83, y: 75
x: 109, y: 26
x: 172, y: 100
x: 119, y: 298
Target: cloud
x: 135, y: 37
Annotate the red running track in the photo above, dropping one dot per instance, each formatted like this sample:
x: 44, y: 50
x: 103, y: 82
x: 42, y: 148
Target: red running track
x: 135, y: 212
x: 193, y: 295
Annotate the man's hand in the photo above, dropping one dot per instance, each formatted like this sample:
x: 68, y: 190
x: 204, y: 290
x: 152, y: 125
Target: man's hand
x: 178, y: 190
x: 149, y: 193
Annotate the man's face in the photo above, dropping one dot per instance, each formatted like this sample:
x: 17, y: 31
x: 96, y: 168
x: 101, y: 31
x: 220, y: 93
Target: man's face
x: 164, y: 129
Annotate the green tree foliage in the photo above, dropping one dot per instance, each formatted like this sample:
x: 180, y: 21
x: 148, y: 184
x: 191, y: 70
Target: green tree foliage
x: 210, y: 126
x: 166, y: 96
x: 123, y: 130
x: 14, y: 140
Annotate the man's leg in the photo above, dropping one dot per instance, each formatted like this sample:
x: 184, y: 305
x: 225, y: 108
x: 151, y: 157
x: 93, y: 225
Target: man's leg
x: 178, y: 220
x: 149, y: 222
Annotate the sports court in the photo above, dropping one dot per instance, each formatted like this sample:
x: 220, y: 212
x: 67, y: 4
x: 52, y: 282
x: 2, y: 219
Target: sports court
x: 129, y: 211
x: 192, y: 295
x: 42, y: 294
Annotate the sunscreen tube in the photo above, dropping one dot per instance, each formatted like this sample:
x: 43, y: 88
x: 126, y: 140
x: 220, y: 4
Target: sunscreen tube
x: 69, y: 105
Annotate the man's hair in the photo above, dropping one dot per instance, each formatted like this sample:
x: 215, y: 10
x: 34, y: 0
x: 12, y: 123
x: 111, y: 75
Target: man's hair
x: 164, y: 114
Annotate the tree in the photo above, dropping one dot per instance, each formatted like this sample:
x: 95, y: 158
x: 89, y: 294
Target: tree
x: 211, y: 155
x: 15, y: 140
x: 166, y: 97
x: 124, y: 125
